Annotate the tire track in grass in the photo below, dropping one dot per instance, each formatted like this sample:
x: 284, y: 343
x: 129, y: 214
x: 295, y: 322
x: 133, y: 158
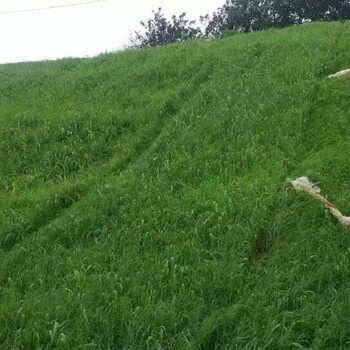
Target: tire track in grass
x: 268, y: 232
x: 276, y: 219
x: 60, y: 203
x: 46, y: 213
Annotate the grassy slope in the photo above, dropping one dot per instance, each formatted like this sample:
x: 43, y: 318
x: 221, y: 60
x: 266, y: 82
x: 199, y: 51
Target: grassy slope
x: 144, y: 201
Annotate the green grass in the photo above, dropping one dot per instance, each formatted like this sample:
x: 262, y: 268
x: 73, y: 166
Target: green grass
x: 144, y: 201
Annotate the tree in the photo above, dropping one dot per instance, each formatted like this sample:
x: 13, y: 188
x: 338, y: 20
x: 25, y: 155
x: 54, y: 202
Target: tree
x: 251, y: 15
x: 160, y: 31
x: 241, y: 16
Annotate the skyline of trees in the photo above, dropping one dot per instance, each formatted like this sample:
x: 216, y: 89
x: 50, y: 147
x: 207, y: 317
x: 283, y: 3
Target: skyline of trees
x: 237, y: 15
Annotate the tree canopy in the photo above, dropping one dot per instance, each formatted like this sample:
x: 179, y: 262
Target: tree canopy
x: 160, y: 31
x: 252, y: 15
x: 238, y: 15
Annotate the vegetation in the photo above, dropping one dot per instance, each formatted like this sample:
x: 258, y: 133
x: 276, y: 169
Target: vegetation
x: 145, y: 202
x: 238, y: 16
x: 252, y: 15
x: 161, y: 31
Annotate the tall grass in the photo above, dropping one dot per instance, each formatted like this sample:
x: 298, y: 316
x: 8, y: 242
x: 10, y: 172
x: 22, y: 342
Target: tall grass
x: 144, y: 201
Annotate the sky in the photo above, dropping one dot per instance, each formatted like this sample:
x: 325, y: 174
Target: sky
x: 83, y: 30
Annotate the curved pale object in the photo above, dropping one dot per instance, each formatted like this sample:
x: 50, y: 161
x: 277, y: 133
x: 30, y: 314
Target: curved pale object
x: 344, y: 220
x: 340, y: 74
x: 305, y: 185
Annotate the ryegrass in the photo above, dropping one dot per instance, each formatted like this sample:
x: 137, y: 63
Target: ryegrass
x: 145, y: 204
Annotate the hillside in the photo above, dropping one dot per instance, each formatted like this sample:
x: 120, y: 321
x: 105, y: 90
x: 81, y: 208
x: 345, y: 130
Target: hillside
x: 144, y: 201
